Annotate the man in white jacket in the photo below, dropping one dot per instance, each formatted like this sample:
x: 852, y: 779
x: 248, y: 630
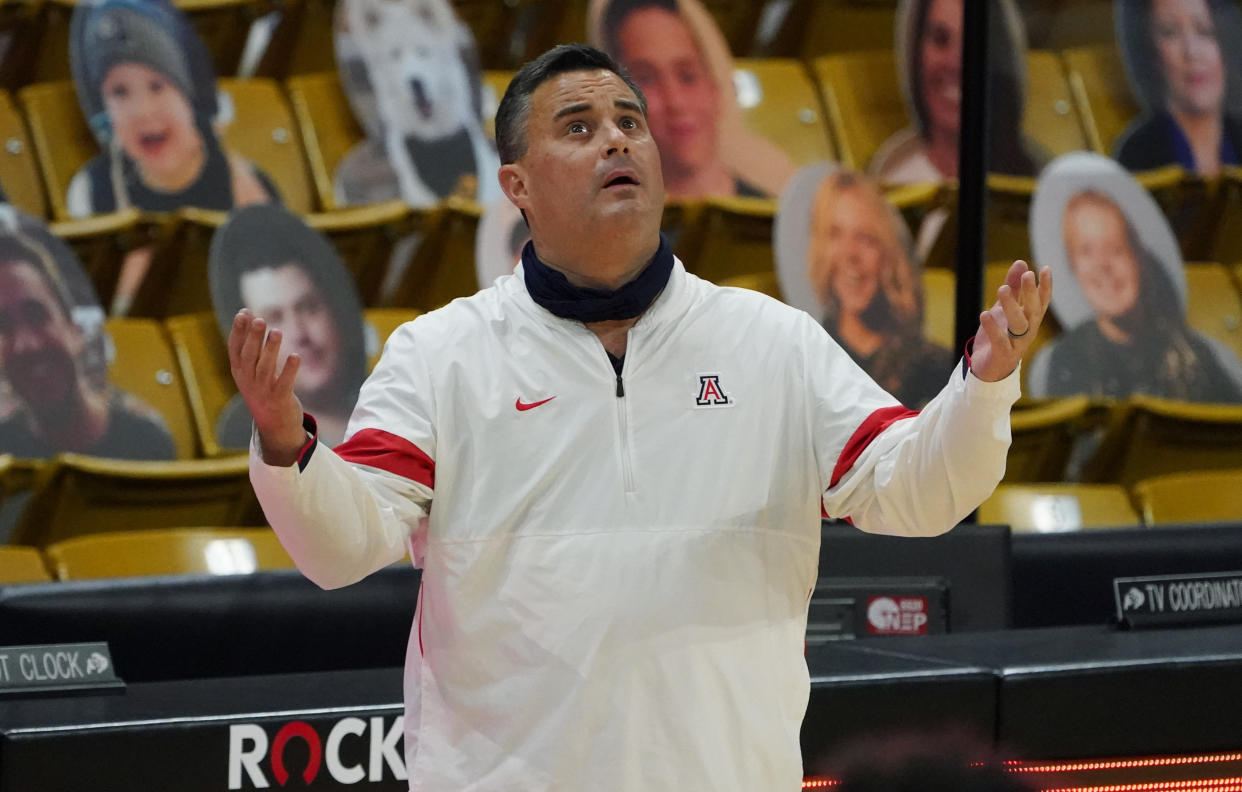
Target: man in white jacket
x: 612, y: 475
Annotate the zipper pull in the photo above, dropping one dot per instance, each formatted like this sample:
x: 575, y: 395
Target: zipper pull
x: 620, y: 387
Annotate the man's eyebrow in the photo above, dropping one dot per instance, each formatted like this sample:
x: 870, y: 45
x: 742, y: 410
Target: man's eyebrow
x: 629, y: 104
x: 576, y: 107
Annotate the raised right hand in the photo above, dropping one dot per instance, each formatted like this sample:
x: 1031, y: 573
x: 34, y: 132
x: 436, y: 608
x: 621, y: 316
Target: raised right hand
x: 276, y: 410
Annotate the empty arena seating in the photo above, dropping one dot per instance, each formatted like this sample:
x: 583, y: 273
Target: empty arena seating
x: 169, y: 551
x: 145, y: 365
x: 1048, y: 508
x: 19, y: 176
x: 88, y: 495
x: 1198, y: 497
x: 19, y: 564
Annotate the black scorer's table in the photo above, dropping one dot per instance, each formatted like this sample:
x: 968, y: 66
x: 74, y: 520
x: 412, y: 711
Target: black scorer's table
x: 1055, y: 693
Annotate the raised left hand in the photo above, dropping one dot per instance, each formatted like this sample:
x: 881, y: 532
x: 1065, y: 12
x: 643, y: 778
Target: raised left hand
x: 1007, y: 329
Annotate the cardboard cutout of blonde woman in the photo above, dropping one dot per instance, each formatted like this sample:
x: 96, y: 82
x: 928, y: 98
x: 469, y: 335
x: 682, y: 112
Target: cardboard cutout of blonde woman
x: 268, y: 260
x: 929, y: 55
x: 54, y: 395
x: 1119, y: 290
x: 1184, y: 65
x: 681, y: 61
x: 411, y: 72
x: 845, y: 256
x: 146, y: 87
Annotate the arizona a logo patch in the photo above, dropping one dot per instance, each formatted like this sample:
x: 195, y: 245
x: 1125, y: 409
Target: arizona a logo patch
x: 711, y: 394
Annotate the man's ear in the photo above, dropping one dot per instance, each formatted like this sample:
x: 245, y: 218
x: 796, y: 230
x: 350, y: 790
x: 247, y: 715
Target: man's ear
x: 513, y: 184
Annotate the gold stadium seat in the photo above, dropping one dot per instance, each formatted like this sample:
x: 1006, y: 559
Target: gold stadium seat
x: 1057, y: 24
x: 168, y: 551
x: 22, y: 565
x: 19, y: 28
x: 939, y: 305
x: 1097, y: 79
x: 495, y: 83
x: 302, y: 41
x: 1049, y: 508
x: 50, y: 49
x: 264, y: 131
x: 1149, y: 437
x: 681, y: 224
x: 1043, y: 439
x: 381, y: 322
x: 145, y: 366
x: 1226, y: 236
x: 328, y: 126
x: 19, y: 167
x: 87, y: 495
x: 738, y: 20
x: 1051, y: 117
x: 203, y: 360
x: 779, y: 102
x: 1203, y: 496
x: 502, y: 31
x: 62, y: 140
x: 442, y: 268
x: 824, y: 27
x: 1214, y: 306
x: 735, y: 237
x: 764, y: 282
x: 863, y: 101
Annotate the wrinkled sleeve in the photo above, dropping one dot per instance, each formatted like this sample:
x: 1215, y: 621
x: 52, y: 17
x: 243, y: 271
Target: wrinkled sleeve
x: 891, y: 470
x: 343, y: 513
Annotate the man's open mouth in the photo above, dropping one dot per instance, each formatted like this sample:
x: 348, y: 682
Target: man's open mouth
x: 620, y: 179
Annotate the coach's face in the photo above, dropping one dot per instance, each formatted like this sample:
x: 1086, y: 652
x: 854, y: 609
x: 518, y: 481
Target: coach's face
x: 591, y: 171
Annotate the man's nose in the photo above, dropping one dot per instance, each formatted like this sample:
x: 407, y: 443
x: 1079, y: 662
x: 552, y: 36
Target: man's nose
x: 615, y: 141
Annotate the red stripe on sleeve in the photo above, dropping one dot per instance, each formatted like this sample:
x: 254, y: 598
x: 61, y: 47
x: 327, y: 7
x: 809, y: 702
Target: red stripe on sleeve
x: 386, y: 451
x: 870, y: 428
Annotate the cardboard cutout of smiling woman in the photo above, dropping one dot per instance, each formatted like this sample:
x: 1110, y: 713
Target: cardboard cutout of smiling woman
x: 681, y: 61
x: 146, y: 87
x: 929, y: 53
x: 410, y: 70
x: 845, y: 256
x: 266, y: 259
x: 1119, y: 290
x: 54, y: 395
x: 1184, y: 63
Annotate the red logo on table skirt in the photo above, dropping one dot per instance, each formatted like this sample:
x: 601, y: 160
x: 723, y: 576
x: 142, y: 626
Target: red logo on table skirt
x: 897, y: 616
x: 523, y: 406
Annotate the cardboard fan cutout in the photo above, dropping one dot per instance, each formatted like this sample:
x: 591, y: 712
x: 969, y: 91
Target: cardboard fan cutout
x: 411, y: 73
x: 266, y: 259
x: 1119, y: 292
x: 146, y: 87
x: 54, y: 354
x: 845, y: 256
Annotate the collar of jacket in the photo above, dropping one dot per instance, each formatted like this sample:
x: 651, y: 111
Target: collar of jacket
x: 552, y: 291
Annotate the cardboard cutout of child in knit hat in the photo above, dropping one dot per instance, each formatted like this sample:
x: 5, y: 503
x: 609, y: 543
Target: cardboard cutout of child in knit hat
x: 146, y: 87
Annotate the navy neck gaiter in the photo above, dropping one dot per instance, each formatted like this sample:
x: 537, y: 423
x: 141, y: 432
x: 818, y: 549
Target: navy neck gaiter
x: 553, y: 291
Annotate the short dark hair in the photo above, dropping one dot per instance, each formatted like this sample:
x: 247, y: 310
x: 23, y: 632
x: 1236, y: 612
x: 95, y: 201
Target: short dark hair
x: 618, y: 11
x: 514, y: 110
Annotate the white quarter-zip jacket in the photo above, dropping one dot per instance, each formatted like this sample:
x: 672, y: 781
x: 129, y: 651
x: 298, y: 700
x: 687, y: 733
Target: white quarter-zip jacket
x: 616, y: 569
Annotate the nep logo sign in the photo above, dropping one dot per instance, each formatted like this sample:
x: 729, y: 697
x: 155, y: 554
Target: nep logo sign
x: 897, y: 616
x: 354, y: 750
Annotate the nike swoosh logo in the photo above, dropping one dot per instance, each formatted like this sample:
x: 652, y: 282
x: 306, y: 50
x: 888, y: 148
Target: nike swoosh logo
x: 523, y: 407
